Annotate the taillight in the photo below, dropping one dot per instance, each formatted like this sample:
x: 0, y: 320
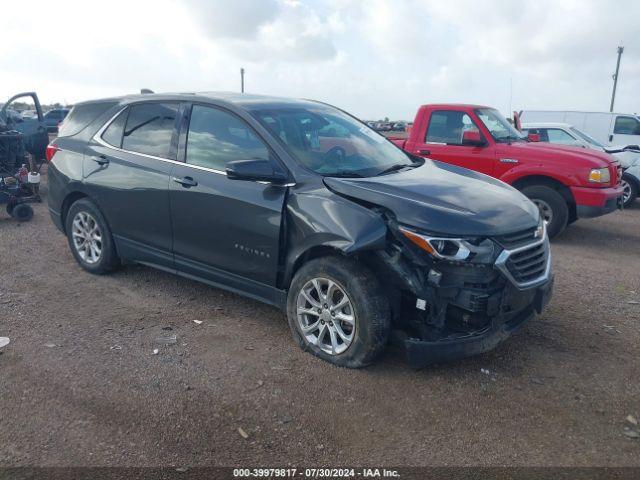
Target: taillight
x: 52, y: 148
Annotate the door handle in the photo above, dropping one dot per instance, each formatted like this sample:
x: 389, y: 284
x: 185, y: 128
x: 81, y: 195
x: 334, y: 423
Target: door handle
x: 611, y: 138
x: 185, y: 181
x: 424, y: 152
x: 101, y: 160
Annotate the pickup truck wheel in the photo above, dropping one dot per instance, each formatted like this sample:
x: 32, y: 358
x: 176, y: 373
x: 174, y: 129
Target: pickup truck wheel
x: 337, y: 310
x: 553, y: 208
x: 629, y: 190
x: 90, y: 238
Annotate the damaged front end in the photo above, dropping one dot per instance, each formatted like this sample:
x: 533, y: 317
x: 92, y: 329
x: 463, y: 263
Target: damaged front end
x: 458, y: 297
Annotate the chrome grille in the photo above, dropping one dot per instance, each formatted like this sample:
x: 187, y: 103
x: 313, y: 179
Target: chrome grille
x: 527, y: 265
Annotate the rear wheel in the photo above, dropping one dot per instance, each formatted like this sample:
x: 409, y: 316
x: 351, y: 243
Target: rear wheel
x: 90, y: 238
x: 338, y: 311
x: 553, y: 208
x: 629, y: 190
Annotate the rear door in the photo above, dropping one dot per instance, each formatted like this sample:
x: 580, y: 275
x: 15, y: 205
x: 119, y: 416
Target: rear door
x: 626, y: 131
x: 443, y: 141
x: 226, y: 231
x: 126, y: 171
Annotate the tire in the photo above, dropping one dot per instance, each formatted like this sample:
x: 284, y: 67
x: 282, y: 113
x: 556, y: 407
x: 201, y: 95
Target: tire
x: 89, y: 216
x: 369, y: 308
x: 21, y: 212
x: 550, y: 203
x: 9, y: 208
x: 631, y: 189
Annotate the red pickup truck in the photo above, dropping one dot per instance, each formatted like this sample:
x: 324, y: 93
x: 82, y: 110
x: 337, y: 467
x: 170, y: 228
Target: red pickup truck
x: 566, y: 183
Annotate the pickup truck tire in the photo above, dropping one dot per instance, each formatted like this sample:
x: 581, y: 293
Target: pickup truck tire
x: 552, y: 206
x: 338, y: 311
x: 90, y: 238
x: 630, y: 187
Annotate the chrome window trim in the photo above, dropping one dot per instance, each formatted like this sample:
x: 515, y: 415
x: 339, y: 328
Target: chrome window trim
x: 98, y: 138
x: 501, y: 263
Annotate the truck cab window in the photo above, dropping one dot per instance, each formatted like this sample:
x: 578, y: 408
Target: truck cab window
x: 447, y: 126
x: 627, y: 126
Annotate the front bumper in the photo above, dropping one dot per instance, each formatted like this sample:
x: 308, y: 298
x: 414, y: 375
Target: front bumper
x: 421, y: 353
x: 593, y: 202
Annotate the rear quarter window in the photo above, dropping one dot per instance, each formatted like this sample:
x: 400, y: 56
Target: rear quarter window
x: 82, y: 115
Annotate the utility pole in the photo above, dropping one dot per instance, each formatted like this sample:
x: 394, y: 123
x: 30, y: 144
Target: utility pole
x: 242, y: 79
x: 615, y: 78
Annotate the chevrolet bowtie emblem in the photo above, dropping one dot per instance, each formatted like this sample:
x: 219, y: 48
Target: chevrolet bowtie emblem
x: 539, y: 232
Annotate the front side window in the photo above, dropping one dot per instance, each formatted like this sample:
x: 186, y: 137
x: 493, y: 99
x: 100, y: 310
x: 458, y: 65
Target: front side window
x: 149, y: 128
x: 448, y: 126
x: 501, y: 130
x: 627, y: 126
x: 329, y: 142
x: 216, y: 137
x: 560, y: 136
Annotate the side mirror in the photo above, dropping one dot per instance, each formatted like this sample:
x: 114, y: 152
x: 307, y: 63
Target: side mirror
x: 472, y: 138
x: 256, y: 170
x: 533, y: 137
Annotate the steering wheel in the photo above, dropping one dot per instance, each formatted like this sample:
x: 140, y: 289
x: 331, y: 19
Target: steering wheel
x: 335, y: 156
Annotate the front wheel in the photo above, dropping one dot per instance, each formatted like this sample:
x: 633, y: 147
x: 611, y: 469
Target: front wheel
x: 338, y: 311
x: 553, y: 208
x: 629, y: 190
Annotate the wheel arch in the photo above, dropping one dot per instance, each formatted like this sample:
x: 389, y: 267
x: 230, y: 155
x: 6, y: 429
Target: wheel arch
x: 69, y: 200
x: 543, y: 180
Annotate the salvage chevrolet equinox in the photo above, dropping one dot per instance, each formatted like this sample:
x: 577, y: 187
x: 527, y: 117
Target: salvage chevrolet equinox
x: 298, y: 204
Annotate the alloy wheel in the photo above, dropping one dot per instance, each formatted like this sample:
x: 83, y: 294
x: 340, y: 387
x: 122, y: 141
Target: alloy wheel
x: 87, y: 237
x: 626, y: 190
x: 325, y: 316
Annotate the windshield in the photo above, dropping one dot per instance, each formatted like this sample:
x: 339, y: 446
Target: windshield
x: 586, y: 137
x: 500, y: 129
x: 330, y: 142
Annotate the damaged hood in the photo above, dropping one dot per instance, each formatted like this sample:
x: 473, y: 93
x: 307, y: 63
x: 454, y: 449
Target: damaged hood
x: 443, y: 199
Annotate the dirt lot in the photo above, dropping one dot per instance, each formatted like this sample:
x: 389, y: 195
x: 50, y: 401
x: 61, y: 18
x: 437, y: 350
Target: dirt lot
x: 80, y: 385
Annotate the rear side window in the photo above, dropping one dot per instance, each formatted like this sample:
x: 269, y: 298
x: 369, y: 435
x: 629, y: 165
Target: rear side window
x: 149, y: 128
x: 627, y: 126
x: 82, y: 115
x: 560, y: 136
x: 216, y: 137
x: 542, y: 132
x: 113, y: 134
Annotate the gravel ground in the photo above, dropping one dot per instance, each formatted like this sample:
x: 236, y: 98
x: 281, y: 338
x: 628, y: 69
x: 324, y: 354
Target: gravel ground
x: 80, y: 385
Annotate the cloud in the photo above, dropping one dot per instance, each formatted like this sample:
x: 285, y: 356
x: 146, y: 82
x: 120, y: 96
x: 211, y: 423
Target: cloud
x: 374, y: 58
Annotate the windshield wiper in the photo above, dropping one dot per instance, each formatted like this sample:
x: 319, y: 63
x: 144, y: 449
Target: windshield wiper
x: 395, y: 167
x: 344, y: 175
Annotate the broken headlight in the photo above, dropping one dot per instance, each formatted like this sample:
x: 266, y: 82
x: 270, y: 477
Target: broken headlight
x: 455, y: 249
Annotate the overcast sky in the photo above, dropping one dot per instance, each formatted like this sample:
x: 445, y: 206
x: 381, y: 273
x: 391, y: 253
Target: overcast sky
x: 374, y: 58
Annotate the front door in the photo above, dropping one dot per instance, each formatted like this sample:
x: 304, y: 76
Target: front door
x: 444, y: 142
x: 127, y: 172
x: 33, y: 130
x: 226, y: 231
